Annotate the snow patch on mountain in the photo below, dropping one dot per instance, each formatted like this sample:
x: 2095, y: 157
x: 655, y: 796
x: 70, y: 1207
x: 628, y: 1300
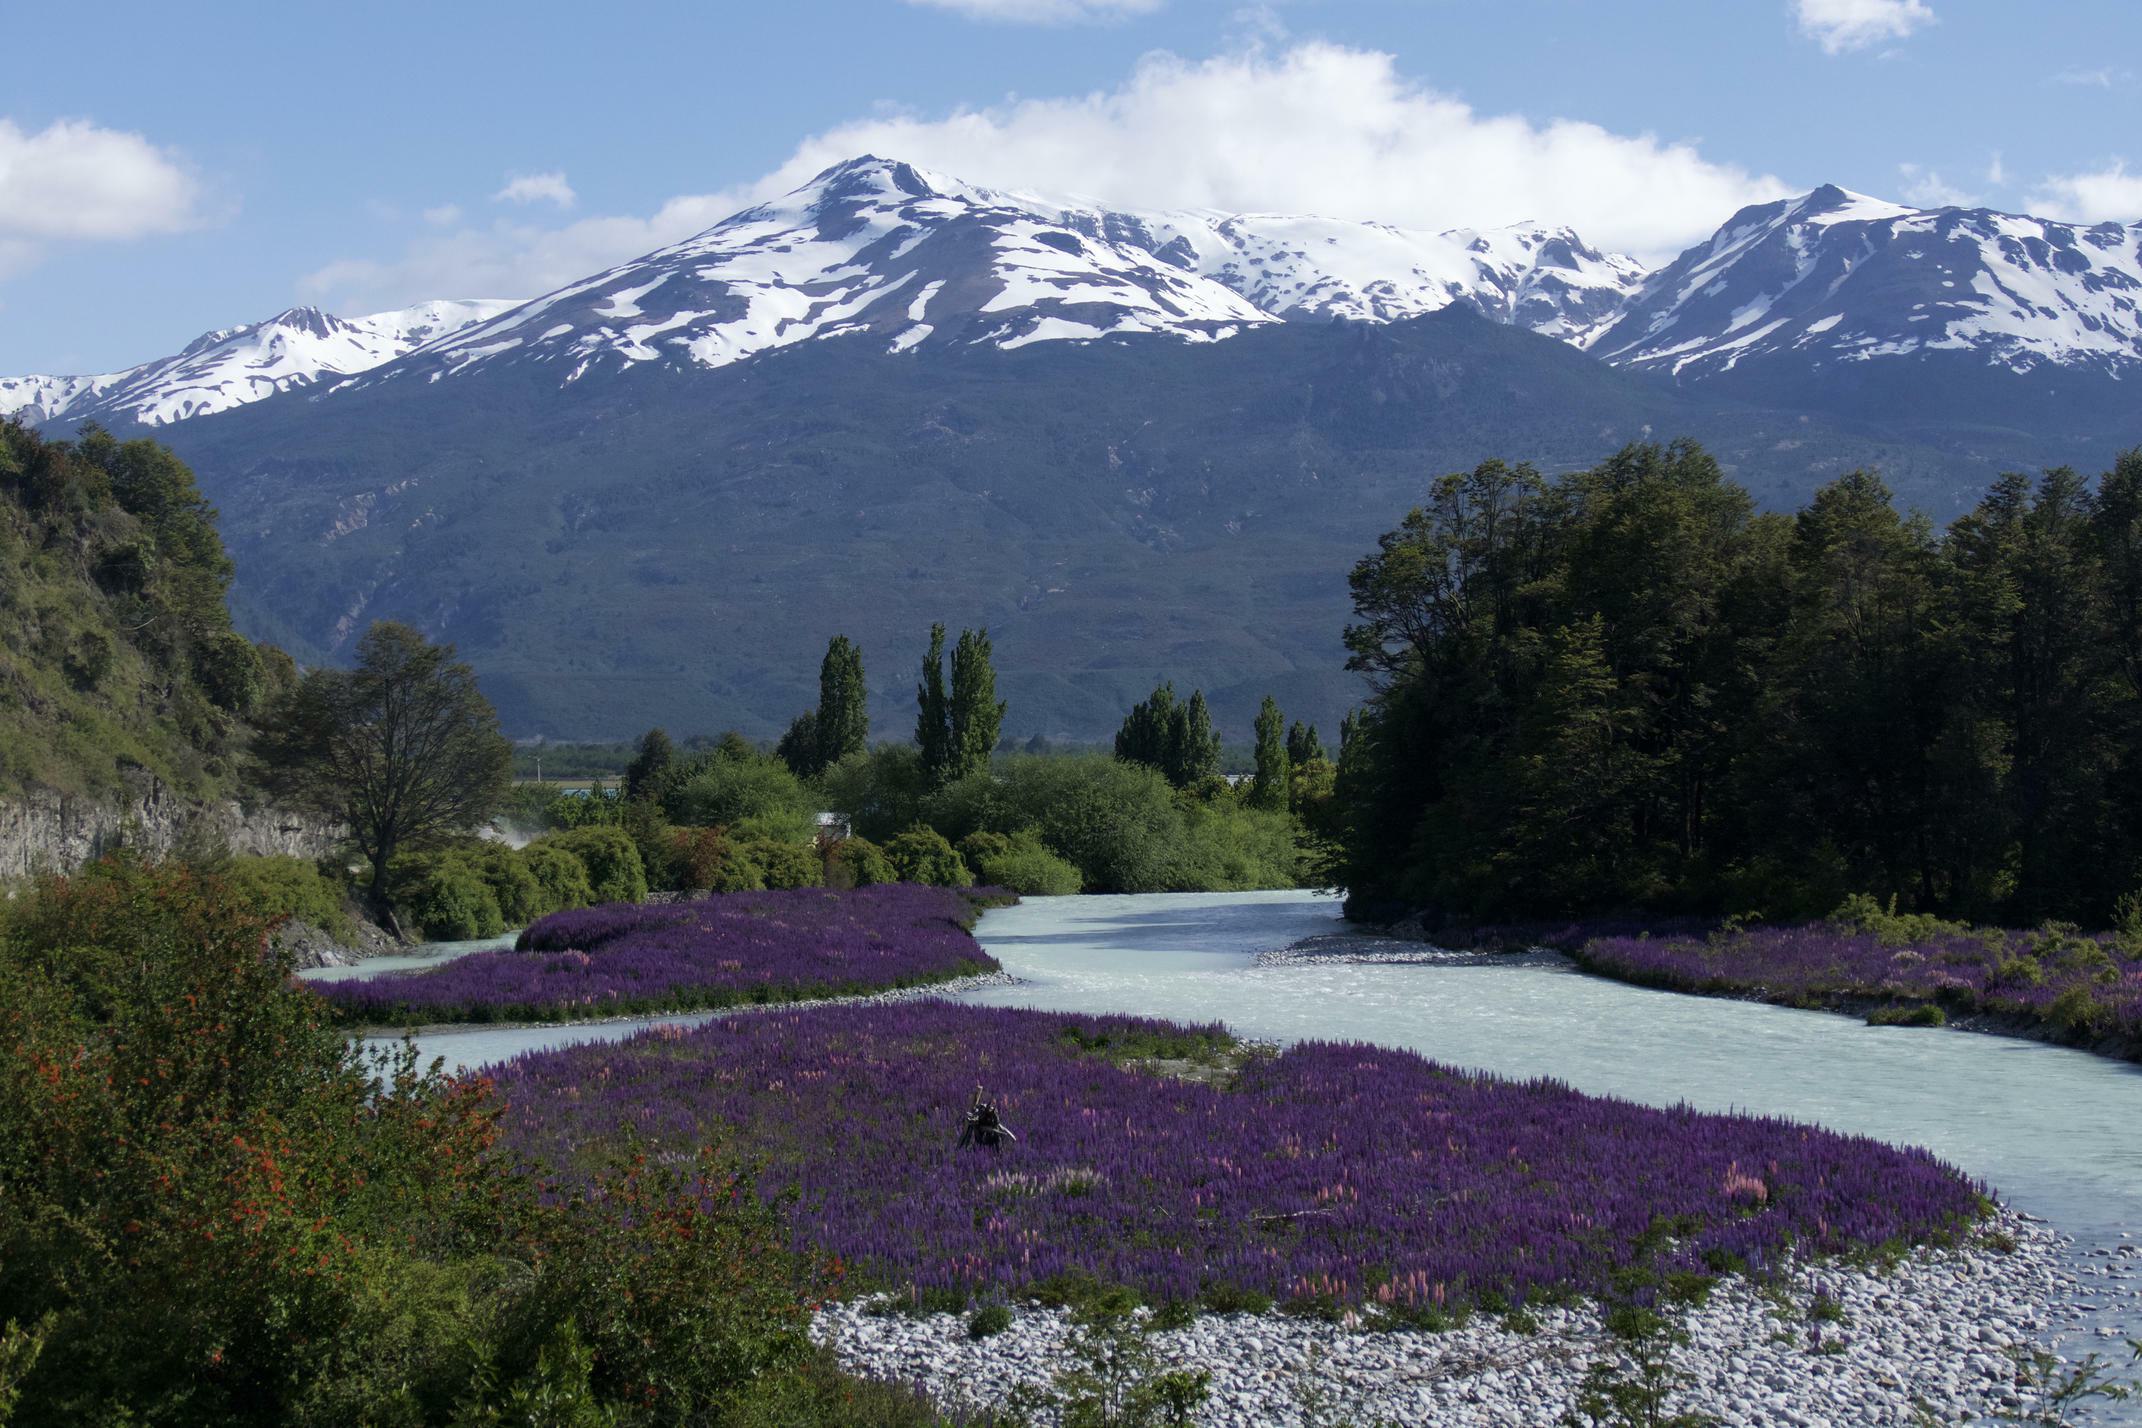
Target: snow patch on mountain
x: 1836, y: 277
x: 233, y: 366
x: 913, y: 257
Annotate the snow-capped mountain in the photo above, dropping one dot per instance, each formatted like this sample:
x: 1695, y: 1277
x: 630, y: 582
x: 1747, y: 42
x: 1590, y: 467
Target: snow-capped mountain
x: 1832, y: 279
x: 228, y: 368
x: 916, y: 258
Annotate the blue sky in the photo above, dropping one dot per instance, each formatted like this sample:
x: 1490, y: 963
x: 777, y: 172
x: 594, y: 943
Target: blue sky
x: 171, y: 169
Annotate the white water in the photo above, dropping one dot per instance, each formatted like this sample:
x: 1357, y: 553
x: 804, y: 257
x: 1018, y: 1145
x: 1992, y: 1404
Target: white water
x: 2057, y: 1133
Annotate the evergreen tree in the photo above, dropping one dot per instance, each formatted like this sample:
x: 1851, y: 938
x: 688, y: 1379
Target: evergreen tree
x: 843, y: 715
x: 1147, y: 734
x: 1197, y: 751
x: 1303, y: 746
x: 653, y: 760
x: 977, y: 716
x: 933, y: 721
x: 1269, y: 788
x: 798, y: 747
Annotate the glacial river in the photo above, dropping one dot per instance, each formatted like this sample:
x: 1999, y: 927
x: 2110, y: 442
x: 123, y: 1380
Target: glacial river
x: 2058, y: 1133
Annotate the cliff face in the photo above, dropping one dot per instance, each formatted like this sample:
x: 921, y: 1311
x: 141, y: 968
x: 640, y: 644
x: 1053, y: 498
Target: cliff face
x: 47, y: 832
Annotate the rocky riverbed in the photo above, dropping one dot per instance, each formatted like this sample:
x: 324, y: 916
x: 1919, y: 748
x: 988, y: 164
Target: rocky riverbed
x: 1944, y: 1337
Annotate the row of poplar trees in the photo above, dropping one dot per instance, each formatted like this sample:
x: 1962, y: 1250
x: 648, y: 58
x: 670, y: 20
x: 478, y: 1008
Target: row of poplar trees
x: 1624, y: 689
x: 955, y: 729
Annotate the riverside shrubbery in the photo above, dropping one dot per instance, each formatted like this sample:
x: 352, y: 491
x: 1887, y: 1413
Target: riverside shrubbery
x: 213, y: 1211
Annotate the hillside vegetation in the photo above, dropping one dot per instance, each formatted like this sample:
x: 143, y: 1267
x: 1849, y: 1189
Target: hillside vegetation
x: 116, y: 647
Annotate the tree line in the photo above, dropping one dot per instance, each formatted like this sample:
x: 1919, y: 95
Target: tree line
x: 1624, y: 689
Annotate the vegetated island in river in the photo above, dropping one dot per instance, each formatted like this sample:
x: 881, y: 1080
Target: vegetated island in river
x: 1267, y: 1207
x: 2051, y: 983
x: 638, y: 959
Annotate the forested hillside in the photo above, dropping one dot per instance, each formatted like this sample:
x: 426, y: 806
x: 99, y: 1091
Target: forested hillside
x: 1626, y: 690
x: 116, y: 647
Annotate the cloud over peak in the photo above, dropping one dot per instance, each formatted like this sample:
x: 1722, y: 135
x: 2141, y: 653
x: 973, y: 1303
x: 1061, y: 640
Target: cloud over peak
x: 74, y: 181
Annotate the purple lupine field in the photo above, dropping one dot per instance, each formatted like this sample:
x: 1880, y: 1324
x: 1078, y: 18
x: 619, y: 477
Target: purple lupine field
x: 2077, y: 989
x: 1330, y: 1173
x: 631, y: 958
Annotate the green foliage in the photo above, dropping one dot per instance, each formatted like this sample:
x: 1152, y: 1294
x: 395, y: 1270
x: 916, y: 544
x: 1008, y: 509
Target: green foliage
x: 1924, y: 1014
x: 1173, y: 737
x: 933, y: 713
x: 1268, y: 790
x: 279, y: 886
x: 215, y: 1209
x: 447, y: 898
x: 612, y: 860
x: 858, y: 863
x: 709, y: 860
x: 403, y: 750
x: 1025, y: 867
x: 1118, y: 1379
x: 1623, y: 689
x: 116, y: 650
x: 921, y: 855
x: 785, y: 864
x: 843, y: 715
x: 723, y: 792
x: 650, y: 764
x: 561, y: 875
x: 1633, y: 1384
x: 975, y: 714
x: 988, y: 1321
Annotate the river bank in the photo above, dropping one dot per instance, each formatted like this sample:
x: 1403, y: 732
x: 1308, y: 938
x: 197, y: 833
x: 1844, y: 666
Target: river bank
x: 1934, y: 1339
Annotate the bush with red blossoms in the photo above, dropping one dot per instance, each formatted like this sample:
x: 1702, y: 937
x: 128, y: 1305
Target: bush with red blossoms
x: 1328, y: 1175
x: 733, y: 948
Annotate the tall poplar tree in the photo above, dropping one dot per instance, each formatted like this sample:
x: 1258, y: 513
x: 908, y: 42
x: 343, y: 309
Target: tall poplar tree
x: 1197, y: 749
x: 1269, y: 788
x: 843, y: 724
x: 977, y: 715
x: 933, y: 722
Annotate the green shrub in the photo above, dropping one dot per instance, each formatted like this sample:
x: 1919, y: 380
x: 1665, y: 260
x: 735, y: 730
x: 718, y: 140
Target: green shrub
x: 921, y: 855
x: 785, y: 864
x: 988, y: 1321
x: 521, y: 898
x: 612, y: 860
x: 1863, y: 912
x: 1924, y: 1014
x: 2079, y: 1014
x: 278, y: 886
x: 723, y: 792
x: 560, y: 874
x: 709, y: 860
x: 1031, y: 870
x: 858, y: 863
x: 447, y: 897
x: 979, y: 847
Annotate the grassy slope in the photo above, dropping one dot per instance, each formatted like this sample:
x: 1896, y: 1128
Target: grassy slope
x: 89, y: 685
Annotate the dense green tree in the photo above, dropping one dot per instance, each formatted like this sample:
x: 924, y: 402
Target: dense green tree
x: 1624, y: 689
x: 403, y: 750
x: 798, y: 745
x: 933, y: 719
x: 843, y: 704
x: 1268, y: 788
x: 649, y: 763
x: 976, y: 715
x: 1303, y: 746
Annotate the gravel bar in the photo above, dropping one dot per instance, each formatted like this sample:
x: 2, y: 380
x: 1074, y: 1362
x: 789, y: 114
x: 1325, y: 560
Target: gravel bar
x: 1929, y: 1341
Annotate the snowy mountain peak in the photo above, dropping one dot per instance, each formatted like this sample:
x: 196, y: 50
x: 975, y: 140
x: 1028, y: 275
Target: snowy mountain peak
x: 909, y: 257
x: 1833, y: 277
x: 233, y: 366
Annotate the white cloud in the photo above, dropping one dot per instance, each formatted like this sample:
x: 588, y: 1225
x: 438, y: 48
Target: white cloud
x: 1924, y: 188
x: 1044, y: 12
x: 2107, y: 195
x: 549, y: 187
x: 1318, y: 128
x: 446, y: 215
x: 76, y: 182
x: 1840, y: 25
x: 1996, y: 170
x: 2104, y: 78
